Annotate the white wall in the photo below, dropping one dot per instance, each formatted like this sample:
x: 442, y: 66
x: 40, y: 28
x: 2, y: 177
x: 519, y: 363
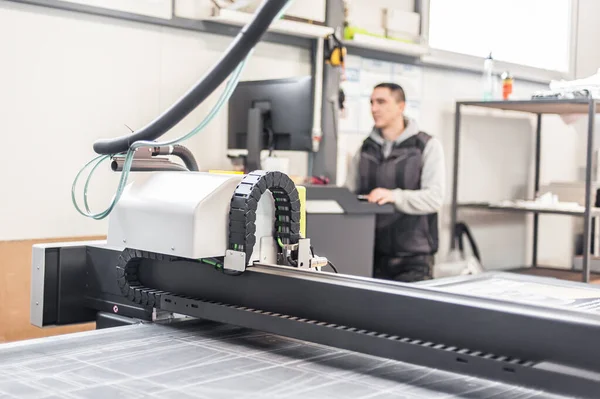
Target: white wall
x: 588, y: 29
x: 68, y: 79
x: 587, y: 64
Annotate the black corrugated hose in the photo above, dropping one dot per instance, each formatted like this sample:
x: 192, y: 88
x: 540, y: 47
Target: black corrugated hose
x: 248, y: 37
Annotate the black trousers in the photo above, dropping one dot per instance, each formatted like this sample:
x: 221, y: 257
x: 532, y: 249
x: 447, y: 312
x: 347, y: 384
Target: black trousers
x: 405, y: 269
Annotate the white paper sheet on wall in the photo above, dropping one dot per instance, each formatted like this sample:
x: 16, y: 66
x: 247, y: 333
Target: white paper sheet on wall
x: 362, y: 75
x: 374, y: 72
x: 356, y: 121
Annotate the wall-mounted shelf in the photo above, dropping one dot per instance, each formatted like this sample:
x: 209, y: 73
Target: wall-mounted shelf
x: 290, y: 33
x: 151, y: 8
x: 300, y: 29
x: 384, y: 48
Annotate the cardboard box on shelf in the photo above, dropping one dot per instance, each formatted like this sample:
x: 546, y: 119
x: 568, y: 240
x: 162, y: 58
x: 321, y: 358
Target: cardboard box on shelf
x: 308, y: 10
x: 364, y: 16
x: 383, y: 18
x: 402, y: 25
x: 405, y: 5
x: 194, y: 9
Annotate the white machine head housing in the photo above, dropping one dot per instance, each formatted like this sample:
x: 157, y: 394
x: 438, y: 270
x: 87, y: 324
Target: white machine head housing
x: 185, y: 214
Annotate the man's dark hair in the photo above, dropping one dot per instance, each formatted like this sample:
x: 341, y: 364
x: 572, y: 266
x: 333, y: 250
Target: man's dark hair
x: 396, y: 90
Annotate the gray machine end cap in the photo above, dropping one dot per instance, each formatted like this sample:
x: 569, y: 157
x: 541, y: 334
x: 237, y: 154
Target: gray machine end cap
x: 235, y: 261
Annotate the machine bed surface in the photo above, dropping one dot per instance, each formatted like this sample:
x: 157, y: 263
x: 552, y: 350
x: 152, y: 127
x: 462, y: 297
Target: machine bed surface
x: 200, y: 359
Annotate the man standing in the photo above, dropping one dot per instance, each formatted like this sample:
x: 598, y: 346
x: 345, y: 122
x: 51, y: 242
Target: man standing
x: 401, y: 165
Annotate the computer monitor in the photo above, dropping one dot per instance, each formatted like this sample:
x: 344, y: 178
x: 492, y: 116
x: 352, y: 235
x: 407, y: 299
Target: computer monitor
x: 271, y: 115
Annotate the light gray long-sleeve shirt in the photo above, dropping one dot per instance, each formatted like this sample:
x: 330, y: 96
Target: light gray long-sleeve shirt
x: 430, y: 197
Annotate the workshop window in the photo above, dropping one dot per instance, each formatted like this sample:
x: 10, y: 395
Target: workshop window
x: 534, y: 33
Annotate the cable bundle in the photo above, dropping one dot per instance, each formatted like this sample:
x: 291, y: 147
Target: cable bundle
x: 231, y: 64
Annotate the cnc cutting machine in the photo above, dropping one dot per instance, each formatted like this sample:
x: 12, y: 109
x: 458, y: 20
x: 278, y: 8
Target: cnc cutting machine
x: 228, y: 252
x: 498, y: 328
x: 229, y: 249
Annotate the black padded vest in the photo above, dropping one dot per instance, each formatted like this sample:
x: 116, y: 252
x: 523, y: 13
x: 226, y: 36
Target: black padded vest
x: 399, y: 234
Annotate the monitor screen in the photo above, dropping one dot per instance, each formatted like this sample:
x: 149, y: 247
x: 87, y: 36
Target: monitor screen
x: 289, y: 119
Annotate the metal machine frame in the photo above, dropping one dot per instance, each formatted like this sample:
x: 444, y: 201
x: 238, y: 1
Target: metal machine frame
x: 542, y: 348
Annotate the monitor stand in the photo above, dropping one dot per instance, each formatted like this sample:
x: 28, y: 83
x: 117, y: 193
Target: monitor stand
x: 254, y: 144
x: 256, y: 127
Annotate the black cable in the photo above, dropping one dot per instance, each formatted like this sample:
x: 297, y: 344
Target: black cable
x: 147, y: 165
x: 292, y: 262
x: 244, y: 42
x: 332, y: 266
x: 218, y: 264
x: 335, y: 124
x: 271, y: 145
x: 186, y: 156
x: 462, y: 229
x: 232, y: 272
x: 328, y: 262
x: 213, y: 262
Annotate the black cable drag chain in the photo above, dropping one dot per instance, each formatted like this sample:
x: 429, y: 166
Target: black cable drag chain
x: 128, y: 278
x: 244, y: 203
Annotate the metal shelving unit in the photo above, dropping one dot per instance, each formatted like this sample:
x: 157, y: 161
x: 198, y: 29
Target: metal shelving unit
x: 538, y: 107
